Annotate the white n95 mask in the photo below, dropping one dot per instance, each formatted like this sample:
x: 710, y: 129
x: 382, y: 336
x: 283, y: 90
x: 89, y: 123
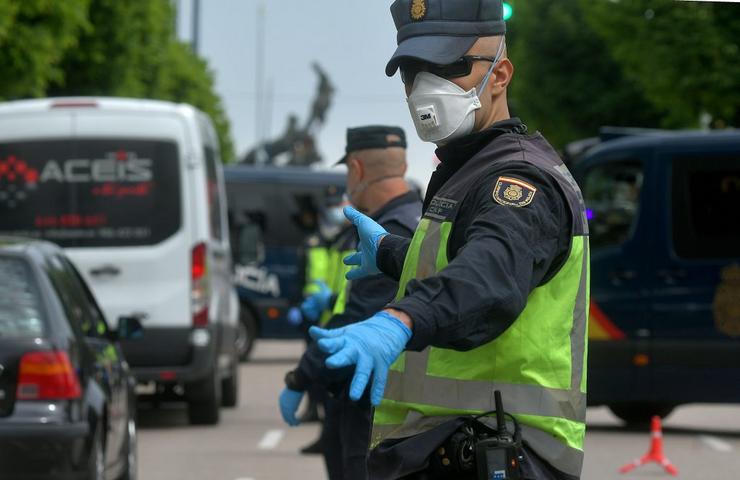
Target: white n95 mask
x: 440, y: 109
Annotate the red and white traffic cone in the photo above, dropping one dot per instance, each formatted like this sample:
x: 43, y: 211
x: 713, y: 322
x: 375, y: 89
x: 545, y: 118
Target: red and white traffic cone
x: 655, y: 454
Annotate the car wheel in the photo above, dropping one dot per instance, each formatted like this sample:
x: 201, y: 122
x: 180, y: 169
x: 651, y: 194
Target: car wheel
x: 204, y: 400
x: 639, y: 414
x: 246, y: 334
x: 130, y: 452
x: 230, y: 387
x: 96, y: 461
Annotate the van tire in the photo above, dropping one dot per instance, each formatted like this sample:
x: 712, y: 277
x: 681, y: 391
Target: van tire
x: 204, y: 400
x: 639, y: 414
x: 246, y: 333
x: 230, y: 387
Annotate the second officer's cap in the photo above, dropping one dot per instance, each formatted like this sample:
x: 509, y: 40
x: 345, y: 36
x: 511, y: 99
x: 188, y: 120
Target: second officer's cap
x: 376, y: 136
x: 442, y: 31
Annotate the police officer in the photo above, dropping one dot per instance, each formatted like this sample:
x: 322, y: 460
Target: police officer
x: 494, y: 285
x: 320, y: 275
x: 376, y: 165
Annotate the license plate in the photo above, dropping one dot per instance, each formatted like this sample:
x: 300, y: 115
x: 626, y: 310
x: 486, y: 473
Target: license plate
x: 146, y: 388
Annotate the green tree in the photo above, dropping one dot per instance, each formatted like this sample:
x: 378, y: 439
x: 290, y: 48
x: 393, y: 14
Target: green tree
x: 131, y: 50
x: 684, y: 55
x: 565, y: 83
x: 34, y: 36
x: 103, y: 47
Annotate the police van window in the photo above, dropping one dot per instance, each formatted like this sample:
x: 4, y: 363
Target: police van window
x: 20, y: 305
x: 285, y: 213
x: 90, y: 193
x: 612, y: 195
x: 706, y: 199
x: 214, y: 197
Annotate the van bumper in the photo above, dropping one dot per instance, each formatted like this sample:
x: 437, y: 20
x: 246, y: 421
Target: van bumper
x: 202, y: 353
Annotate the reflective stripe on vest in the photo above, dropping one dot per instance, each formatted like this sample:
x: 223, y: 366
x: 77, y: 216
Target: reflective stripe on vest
x: 537, y: 364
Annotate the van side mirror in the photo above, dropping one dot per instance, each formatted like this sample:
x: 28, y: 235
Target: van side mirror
x: 130, y: 327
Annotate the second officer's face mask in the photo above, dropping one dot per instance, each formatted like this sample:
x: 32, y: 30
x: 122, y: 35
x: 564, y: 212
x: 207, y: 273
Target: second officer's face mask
x: 441, y: 110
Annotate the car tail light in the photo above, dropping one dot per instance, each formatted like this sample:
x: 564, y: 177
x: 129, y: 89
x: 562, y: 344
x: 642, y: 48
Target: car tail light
x: 199, y: 286
x: 47, y: 376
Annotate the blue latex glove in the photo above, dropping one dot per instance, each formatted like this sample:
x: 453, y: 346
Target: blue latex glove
x: 372, y: 345
x: 295, y: 317
x: 315, y: 304
x: 370, y: 233
x: 290, y: 400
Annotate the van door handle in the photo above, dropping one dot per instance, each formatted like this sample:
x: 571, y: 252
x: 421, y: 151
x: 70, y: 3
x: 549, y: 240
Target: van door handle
x: 671, y: 276
x: 105, y: 270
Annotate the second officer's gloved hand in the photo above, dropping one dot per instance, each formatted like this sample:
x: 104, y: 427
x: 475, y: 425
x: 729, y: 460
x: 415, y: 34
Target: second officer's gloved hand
x: 315, y: 304
x: 372, y: 345
x: 370, y: 233
x: 290, y: 400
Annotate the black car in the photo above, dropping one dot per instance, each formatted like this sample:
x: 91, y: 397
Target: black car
x: 67, y: 402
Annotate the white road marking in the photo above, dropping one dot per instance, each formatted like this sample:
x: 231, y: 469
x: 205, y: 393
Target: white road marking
x: 715, y: 443
x: 271, y: 439
x: 245, y: 478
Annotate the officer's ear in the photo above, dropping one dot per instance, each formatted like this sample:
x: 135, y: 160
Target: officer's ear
x: 355, y: 165
x: 501, y: 77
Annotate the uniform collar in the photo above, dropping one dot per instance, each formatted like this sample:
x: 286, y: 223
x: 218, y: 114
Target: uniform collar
x: 461, y: 150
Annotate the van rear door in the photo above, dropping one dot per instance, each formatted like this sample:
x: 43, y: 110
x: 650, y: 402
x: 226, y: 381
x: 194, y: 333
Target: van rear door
x: 112, y: 194
x: 695, y: 294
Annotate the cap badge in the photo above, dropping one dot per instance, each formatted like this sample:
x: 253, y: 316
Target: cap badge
x: 418, y: 9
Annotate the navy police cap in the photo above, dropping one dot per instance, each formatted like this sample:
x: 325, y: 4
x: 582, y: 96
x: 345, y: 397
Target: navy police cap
x: 442, y: 31
x: 377, y: 136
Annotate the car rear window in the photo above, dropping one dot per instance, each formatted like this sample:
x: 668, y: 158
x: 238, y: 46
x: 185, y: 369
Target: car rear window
x: 20, y: 308
x: 90, y: 193
x: 706, y: 202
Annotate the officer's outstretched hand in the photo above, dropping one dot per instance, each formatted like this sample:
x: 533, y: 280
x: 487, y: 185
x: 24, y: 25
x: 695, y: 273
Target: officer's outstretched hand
x: 315, y: 304
x: 289, y: 402
x: 370, y: 234
x: 372, y: 345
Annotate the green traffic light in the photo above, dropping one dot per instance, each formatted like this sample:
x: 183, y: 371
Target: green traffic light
x: 508, y: 11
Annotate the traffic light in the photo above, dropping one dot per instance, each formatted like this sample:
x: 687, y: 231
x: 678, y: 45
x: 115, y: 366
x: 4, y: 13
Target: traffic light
x: 508, y: 11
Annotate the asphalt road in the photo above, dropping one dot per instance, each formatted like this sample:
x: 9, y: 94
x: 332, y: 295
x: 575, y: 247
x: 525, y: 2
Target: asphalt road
x: 252, y: 442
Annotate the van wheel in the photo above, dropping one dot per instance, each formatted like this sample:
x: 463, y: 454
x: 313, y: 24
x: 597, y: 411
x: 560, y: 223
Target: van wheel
x: 230, y: 387
x: 639, y: 414
x: 130, y: 451
x: 204, y: 400
x: 246, y: 334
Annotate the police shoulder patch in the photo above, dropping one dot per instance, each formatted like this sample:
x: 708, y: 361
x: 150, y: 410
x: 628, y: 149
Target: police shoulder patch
x: 513, y: 192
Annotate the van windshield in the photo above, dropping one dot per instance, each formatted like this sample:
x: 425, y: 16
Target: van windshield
x: 706, y: 199
x: 90, y: 193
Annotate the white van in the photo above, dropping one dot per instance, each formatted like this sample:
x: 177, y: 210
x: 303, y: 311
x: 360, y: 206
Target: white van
x: 133, y: 190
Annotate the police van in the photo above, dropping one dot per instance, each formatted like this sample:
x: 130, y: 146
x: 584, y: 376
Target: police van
x: 664, y: 326
x: 133, y: 190
x: 272, y: 211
